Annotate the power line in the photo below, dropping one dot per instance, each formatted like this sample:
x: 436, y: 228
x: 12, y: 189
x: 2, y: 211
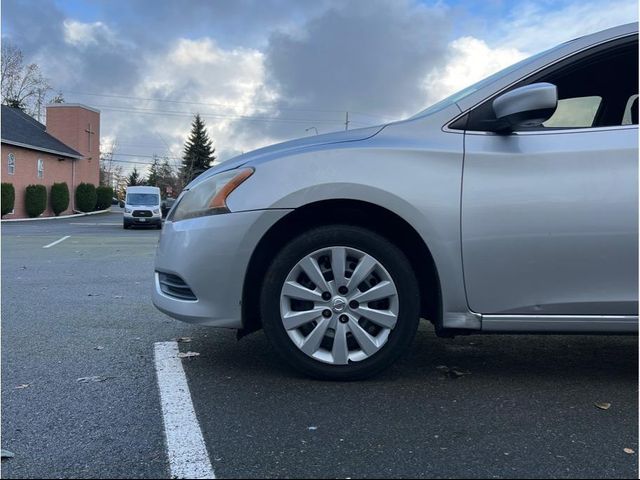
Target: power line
x: 131, y: 162
x: 158, y: 155
x: 140, y: 145
x: 175, y: 113
x: 168, y: 100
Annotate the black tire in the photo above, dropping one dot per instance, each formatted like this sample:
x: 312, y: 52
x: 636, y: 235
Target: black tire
x: 126, y: 226
x: 393, y: 260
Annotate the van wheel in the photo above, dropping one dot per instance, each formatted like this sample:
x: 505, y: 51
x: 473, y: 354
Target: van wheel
x: 340, y: 302
x: 126, y: 226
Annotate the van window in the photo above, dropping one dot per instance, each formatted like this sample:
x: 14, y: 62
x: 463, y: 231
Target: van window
x: 143, y: 199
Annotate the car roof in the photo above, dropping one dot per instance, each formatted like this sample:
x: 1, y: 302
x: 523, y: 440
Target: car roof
x: 143, y: 189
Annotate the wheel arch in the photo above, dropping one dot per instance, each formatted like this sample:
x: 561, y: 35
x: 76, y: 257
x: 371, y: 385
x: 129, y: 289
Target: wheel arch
x: 351, y: 212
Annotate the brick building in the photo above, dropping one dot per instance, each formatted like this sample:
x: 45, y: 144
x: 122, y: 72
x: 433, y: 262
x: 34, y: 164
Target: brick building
x: 66, y: 149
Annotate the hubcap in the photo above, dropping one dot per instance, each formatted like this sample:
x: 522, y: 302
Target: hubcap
x: 339, y: 304
x: 350, y: 324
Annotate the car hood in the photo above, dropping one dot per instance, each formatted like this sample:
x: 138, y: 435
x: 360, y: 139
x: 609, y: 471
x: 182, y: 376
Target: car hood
x: 291, y: 146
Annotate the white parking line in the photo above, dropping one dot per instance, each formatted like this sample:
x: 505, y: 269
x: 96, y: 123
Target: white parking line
x: 186, y: 449
x: 56, y: 242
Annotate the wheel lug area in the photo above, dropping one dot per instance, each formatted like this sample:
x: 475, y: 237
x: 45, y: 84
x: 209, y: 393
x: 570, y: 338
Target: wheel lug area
x: 343, y: 319
x: 343, y: 290
x: 326, y: 296
x: 326, y: 313
x: 353, y: 304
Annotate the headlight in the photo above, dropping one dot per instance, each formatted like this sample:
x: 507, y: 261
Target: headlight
x: 127, y: 210
x: 209, y: 197
x: 156, y: 211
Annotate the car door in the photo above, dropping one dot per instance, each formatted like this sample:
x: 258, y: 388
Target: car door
x: 549, y: 215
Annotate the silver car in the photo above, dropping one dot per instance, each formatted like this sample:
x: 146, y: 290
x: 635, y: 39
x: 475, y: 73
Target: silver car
x: 511, y: 206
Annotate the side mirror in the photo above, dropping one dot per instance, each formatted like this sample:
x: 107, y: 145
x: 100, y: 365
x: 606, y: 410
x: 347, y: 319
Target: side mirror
x: 527, y: 106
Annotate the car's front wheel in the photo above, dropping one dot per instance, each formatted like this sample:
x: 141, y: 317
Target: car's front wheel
x: 340, y: 302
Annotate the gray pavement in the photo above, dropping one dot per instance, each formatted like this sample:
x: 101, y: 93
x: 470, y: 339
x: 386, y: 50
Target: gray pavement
x: 82, y: 308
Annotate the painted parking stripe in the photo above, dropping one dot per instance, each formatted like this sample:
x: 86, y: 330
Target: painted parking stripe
x: 186, y: 449
x: 56, y: 242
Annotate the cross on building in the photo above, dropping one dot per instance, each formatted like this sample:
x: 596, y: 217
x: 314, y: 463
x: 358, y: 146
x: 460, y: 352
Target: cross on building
x: 89, y: 133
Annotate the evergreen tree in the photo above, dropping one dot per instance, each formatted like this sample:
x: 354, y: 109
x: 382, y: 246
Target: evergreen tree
x: 198, y: 151
x: 59, y: 98
x: 134, y: 178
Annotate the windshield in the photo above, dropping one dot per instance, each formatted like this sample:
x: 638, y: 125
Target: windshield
x: 143, y: 199
x: 456, y: 97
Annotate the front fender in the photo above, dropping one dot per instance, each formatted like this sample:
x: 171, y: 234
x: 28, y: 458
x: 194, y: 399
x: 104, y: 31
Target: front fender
x: 414, y: 175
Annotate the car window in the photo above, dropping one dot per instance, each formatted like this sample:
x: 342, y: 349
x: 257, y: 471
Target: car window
x: 594, y: 90
x: 575, y: 112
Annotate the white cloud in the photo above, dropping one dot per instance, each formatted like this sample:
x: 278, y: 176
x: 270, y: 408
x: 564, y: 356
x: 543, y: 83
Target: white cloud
x: 198, y: 76
x: 530, y: 28
x: 81, y: 34
x: 384, y: 62
x: 536, y: 26
x: 470, y: 60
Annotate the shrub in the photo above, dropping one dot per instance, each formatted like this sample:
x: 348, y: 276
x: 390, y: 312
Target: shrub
x: 35, y: 200
x: 86, y: 197
x: 8, y: 198
x: 104, y: 195
x: 59, y: 198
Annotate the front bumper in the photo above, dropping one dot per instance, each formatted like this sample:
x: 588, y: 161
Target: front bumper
x: 142, y: 220
x: 211, y: 255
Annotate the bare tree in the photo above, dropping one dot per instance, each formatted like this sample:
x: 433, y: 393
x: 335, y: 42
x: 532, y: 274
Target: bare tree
x: 106, y: 164
x: 170, y: 181
x: 22, y: 86
x: 11, y: 64
x: 119, y: 181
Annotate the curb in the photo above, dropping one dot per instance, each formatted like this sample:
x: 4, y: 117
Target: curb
x: 76, y: 215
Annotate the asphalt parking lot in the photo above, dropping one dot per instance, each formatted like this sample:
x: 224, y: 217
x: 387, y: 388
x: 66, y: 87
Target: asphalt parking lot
x: 81, y: 309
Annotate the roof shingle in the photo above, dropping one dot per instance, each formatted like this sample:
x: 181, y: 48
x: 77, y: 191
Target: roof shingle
x: 20, y: 129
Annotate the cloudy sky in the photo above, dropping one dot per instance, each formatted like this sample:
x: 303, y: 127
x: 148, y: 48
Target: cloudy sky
x: 262, y: 71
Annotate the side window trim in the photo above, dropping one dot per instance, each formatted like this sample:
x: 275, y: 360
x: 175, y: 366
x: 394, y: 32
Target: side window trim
x: 555, y: 131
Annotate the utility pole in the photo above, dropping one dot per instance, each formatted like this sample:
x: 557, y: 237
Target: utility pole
x: 346, y: 122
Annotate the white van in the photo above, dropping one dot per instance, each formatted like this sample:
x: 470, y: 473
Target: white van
x: 142, y: 207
